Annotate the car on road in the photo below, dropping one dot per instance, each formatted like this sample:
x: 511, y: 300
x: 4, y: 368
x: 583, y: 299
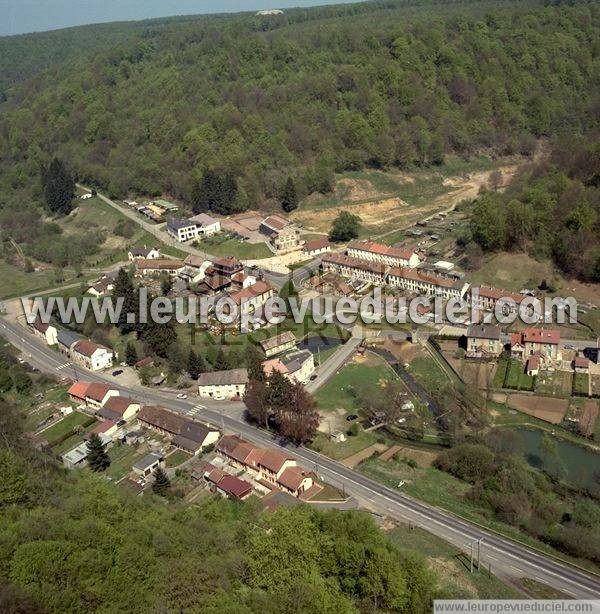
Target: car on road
x: 351, y: 417
x: 313, y: 377
x: 117, y: 372
x: 182, y: 396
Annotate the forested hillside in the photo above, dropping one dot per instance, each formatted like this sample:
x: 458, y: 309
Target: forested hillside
x: 69, y: 542
x: 551, y: 211
x: 305, y: 95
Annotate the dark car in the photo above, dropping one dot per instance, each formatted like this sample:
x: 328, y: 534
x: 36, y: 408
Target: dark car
x: 313, y: 377
x: 117, y: 372
x: 351, y: 417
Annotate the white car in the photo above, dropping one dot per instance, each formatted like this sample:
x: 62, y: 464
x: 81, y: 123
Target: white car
x: 182, y: 396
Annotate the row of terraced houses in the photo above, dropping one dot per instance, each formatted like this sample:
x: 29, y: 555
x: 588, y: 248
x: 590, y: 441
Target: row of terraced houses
x: 401, y: 268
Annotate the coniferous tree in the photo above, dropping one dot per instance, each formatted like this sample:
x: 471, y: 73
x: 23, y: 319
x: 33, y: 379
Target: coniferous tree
x: 196, y: 364
x: 131, y: 355
x: 97, y: 458
x: 289, y: 196
x: 254, y: 360
x: 124, y: 288
x: 221, y: 362
x: 161, y: 483
x: 59, y: 188
x: 298, y: 419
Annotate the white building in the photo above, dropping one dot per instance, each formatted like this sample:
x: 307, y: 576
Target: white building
x: 384, y: 254
x: 147, y: 253
x: 419, y: 282
x: 47, y: 332
x: 206, y: 224
x: 92, y: 355
x: 183, y: 230
x: 223, y: 384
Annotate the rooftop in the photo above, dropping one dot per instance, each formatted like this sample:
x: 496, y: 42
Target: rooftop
x: 223, y: 378
x: 484, y: 331
x: 282, y: 339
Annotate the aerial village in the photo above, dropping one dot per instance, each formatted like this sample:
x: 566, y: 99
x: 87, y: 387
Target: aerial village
x: 530, y: 369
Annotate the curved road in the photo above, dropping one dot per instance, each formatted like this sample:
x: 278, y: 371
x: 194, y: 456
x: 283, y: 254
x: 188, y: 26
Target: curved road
x: 508, y: 559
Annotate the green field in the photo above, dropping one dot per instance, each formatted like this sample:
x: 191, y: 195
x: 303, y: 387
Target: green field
x: 352, y: 445
x: 428, y: 373
x: 220, y: 245
x: 59, y: 431
x: 511, y: 374
x: 338, y: 392
x: 122, y: 457
x: 581, y: 384
x: 177, y: 458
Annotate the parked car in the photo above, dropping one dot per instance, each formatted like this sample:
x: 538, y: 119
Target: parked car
x: 351, y: 417
x: 182, y: 396
x: 117, y: 372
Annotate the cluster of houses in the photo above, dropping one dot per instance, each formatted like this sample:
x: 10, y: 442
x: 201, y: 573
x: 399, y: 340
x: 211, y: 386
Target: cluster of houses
x: 536, y: 348
x: 86, y: 353
x: 297, y: 366
x: 269, y: 468
x: 403, y: 268
x: 117, y: 412
x: 219, y: 278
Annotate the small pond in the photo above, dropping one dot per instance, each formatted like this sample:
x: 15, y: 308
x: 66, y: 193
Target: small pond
x: 580, y: 464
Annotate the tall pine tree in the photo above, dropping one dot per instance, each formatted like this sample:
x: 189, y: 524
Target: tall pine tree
x: 125, y: 289
x: 161, y: 483
x: 97, y: 458
x: 195, y: 365
x: 59, y: 188
x: 289, y: 196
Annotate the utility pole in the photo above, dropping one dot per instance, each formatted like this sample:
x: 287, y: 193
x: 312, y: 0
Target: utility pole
x: 478, y: 541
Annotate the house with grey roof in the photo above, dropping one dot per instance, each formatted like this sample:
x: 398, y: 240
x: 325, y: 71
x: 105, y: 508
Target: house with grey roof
x: 223, y: 384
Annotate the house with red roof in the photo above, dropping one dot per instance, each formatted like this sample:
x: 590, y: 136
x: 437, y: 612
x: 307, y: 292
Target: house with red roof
x: 281, y: 234
x: 383, y: 254
x: 91, y: 394
x: 234, y: 488
x: 317, y: 246
x: 542, y: 341
x: 106, y: 427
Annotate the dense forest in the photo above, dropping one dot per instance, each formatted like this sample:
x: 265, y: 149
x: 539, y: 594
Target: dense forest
x: 70, y: 542
x: 552, y: 210
x: 304, y: 95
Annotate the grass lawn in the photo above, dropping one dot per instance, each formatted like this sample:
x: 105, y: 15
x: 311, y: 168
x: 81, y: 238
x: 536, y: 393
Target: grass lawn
x: 581, y: 384
x: 592, y: 319
x: 177, y: 458
x: 338, y: 392
x: 394, y: 237
x: 428, y: 373
x: 330, y: 493
x: 352, y: 445
x: 16, y: 282
x: 451, y: 566
x: 220, y: 245
x: 554, y: 383
x: 516, y: 378
x: 500, y: 374
x: 61, y: 430
x: 122, y: 457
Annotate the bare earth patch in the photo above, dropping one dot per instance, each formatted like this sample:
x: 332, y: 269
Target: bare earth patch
x: 359, y: 457
x: 544, y: 408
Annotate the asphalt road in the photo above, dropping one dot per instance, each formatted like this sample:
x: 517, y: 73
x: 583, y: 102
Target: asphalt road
x: 507, y: 558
